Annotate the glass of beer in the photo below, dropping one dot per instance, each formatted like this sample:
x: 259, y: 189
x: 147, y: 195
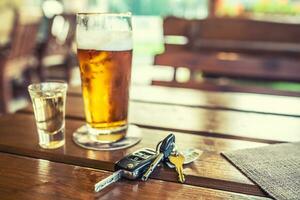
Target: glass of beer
x: 104, y: 52
x: 48, y: 100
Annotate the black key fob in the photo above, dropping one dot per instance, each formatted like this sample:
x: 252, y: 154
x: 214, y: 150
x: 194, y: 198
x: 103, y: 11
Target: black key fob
x: 136, y: 163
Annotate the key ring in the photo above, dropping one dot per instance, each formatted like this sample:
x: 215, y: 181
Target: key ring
x: 158, y: 145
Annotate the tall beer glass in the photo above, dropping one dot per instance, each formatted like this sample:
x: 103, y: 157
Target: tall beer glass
x: 104, y: 51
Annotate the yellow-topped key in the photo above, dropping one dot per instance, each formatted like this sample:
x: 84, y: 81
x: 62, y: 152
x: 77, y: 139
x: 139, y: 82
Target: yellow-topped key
x: 178, y: 161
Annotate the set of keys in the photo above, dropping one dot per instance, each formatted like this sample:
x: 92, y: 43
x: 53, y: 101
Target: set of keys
x: 167, y: 153
x: 144, y: 161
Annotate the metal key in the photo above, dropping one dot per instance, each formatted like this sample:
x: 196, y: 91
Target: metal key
x: 109, y: 180
x: 166, y: 147
x: 190, y: 155
x: 178, y: 161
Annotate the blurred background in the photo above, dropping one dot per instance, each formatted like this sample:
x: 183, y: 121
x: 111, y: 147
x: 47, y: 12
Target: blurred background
x: 214, y: 45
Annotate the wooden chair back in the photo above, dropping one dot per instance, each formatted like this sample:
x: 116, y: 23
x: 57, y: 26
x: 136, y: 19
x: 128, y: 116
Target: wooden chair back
x: 23, y: 41
x: 245, y: 35
x: 174, y: 26
x: 19, y: 57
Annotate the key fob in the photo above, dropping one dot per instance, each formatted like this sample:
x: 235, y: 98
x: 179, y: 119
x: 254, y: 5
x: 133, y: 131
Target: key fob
x: 136, y: 163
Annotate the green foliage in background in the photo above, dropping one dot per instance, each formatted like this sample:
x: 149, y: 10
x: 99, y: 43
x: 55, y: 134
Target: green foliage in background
x: 181, y: 8
x: 279, y: 85
x: 138, y: 7
x: 276, y: 7
x: 281, y: 7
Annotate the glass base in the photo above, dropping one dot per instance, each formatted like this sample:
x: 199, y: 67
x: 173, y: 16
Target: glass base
x: 85, y: 139
x: 107, y: 135
x: 52, y: 140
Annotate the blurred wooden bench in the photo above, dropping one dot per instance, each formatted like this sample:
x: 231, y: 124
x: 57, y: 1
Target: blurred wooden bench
x: 225, y: 86
x: 233, y: 65
x: 244, y: 35
x: 233, y: 48
x: 16, y: 59
x: 174, y: 26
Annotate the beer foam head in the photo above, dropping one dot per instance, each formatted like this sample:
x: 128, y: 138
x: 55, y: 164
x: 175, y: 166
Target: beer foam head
x: 107, y: 40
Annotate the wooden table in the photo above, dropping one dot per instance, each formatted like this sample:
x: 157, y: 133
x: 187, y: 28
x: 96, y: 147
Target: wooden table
x: 210, y: 121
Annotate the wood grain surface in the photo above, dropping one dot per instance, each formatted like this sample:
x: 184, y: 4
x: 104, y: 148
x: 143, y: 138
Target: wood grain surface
x: 27, y: 178
x: 210, y: 170
x: 281, y: 105
x: 218, y: 123
x: 211, y: 122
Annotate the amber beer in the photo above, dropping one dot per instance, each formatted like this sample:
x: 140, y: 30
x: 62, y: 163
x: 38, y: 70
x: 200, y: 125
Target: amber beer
x: 105, y: 77
x: 104, y: 51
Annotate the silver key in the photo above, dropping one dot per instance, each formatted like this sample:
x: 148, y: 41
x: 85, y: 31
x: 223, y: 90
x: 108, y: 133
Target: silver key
x: 165, y: 149
x: 108, y: 181
x: 152, y: 167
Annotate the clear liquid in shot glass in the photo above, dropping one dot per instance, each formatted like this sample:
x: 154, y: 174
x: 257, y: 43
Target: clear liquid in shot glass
x: 49, y: 110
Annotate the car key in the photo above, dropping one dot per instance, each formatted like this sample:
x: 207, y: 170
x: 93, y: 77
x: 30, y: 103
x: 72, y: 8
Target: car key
x: 131, y: 167
x: 166, y: 147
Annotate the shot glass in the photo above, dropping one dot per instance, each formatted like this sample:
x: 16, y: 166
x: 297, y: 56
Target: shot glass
x: 48, y: 100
